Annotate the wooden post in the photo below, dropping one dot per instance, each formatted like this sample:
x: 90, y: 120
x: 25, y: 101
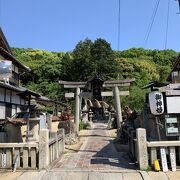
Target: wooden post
x: 27, y: 131
x: 77, y: 109
x: 118, y: 106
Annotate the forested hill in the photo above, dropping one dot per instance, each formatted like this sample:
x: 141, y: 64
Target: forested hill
x: 90, y: 58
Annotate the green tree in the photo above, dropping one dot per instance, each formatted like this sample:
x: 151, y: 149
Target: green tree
x: 90, y: 58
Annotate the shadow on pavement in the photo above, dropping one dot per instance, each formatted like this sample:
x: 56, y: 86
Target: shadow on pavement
x: 109, y: 156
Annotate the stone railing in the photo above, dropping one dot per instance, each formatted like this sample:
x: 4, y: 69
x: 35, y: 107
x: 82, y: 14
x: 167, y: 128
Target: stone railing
x: 50, y: 148
x: 161, y: 149
x: 56, y: 146
x: 32, y: 155
x: 18, y: 155
x: 148, y: 151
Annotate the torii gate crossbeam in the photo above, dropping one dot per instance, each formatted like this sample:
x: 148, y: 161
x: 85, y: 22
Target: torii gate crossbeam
x: 116, y: 93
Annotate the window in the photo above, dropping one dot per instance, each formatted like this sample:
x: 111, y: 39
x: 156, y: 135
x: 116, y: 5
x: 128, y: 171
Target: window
x: 2, y: 90
x: 175, y: 78
x: 2, y: 111
x: 16, y: 69
x: 13, y: 110
x: 8, y: 95
x: 15, y: 98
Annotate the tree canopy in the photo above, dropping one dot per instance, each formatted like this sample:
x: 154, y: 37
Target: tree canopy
x: 94, y: 58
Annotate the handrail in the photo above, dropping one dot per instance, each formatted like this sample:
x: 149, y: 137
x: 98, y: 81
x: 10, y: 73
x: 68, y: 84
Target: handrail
x: 14, y: 145
x: 162, y: 143
x: 53, y: 140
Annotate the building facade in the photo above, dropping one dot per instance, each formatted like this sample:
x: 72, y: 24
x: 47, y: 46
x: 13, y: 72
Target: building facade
x: 10, y: 101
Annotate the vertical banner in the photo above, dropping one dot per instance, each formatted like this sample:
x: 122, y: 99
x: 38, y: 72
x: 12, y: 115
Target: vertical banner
x: 4, y: 159
x: 172, y: 155
x: 163, y: 159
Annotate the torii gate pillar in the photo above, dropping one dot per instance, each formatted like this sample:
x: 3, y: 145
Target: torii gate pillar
x: 116, y: 93
x: 77, y: 109
x: 118, y: 106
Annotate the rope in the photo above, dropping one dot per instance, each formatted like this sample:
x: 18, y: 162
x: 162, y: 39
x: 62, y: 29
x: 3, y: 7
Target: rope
x: 151, y: 23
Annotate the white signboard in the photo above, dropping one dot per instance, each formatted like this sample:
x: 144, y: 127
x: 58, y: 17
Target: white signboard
x: 163, y: 160
x: 173, y: 104
x: 173, y: 161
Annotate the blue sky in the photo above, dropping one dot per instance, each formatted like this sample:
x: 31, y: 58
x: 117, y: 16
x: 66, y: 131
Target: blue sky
x: 58, y: 25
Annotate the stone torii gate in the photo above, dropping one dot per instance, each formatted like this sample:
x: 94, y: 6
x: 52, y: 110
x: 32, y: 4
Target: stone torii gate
x: 116, y: 93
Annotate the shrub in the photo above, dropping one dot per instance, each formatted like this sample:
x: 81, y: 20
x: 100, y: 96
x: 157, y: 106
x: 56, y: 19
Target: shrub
x: 114, y: 123
x: 83, y: 125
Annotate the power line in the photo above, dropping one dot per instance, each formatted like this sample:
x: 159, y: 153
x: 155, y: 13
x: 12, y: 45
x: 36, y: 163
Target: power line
x: 119, y: 24
x: 0, y: 15
x: 167, y: 24
x: 151, y: 23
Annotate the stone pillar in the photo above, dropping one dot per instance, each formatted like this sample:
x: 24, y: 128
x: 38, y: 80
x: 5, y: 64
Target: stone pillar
x: 117, y: 106
x: 77, y: 109
x: 63, y: 140
x: 33, y: 158
x: 153, y: 154
x: 141, y: 149
x: 43, y: 148
x: 25, y: 157
x: 57, y: 147
x: 49, y: 122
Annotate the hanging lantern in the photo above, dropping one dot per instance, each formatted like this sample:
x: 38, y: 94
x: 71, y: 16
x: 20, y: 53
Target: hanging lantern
x: 156, y: 102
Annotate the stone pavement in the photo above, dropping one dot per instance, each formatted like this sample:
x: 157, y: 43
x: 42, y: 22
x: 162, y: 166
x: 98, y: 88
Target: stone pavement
x: 89, y: 175
x: 97, y: 153
x: 97, y: 159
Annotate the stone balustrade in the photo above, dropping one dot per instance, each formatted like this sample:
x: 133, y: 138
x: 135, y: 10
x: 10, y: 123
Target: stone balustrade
x: 18, y: 155
x: 33, y: 155
x: 56, y: 146
x: 167, y: 152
